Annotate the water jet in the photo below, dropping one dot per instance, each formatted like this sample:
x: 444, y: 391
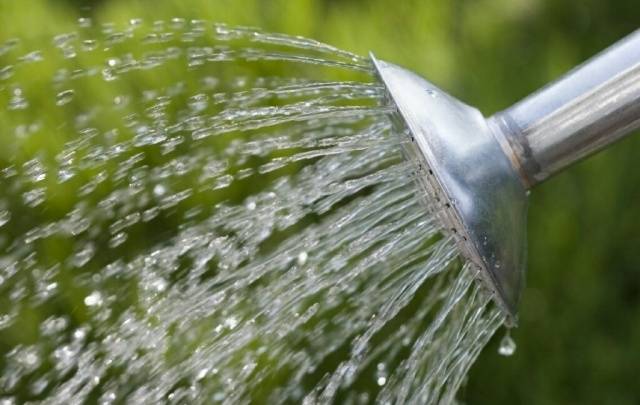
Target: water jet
x: 194, y: 211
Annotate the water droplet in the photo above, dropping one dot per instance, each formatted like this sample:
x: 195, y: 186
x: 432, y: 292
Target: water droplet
x: 150, y: 214
x: 159, y: 284
x: 69, y: 52
x: 109, y: 75
x: 108, y: 398
x: 202, y: 373
x: 34, y: 197
x: 507, y: 345
x: 85, y: 22
x: 53, y: 325
x: 302, y: 258
x: 83, y: 256
x: 35, y: 170
x: 210, y: 82
x: 38, y: 386
x: 89, y: 45
x: 177, y: 23
x: 231, y: 322
x: 199, y: 102
x: 381, y: 374
x: 18, y: 101
x: 93, y: 300
x: 159, y: 190
x: 64, y: 175
x: 5, y: 216
x: 28, y: 357
x: 240, y: 82
x: 31, y: 57
x: 80, y: 333
x: 223, y: 181
x: 120, y: 100
x: 5, y: 320
x: 117, y: 240
x: 9, y: 172
x: 64, y: 97
x: 6, y: 72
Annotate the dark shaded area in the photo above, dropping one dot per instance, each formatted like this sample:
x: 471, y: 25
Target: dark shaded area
x: 84, y: 5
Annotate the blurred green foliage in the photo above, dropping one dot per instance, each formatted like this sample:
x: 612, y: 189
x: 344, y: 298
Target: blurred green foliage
x: 579, y: 334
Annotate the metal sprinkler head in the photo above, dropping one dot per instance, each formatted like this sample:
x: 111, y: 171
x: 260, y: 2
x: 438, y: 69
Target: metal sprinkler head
x: 477, y: 171
x: 476, y: 193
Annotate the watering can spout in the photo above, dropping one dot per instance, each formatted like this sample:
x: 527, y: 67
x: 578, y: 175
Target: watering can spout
x: 477, y: 171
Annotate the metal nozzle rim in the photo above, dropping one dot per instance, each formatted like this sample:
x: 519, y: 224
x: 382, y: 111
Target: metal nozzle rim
x: 474, y: 190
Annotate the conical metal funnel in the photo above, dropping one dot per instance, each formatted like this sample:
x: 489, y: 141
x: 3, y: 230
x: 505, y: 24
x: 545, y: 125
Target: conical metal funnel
x: 477, y: 171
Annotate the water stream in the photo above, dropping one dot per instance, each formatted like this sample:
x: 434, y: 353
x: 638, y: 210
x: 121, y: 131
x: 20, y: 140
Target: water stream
x: 193, y: 212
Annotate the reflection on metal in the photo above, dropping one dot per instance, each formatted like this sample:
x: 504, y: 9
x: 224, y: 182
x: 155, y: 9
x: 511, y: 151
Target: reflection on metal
x: 477, y: 171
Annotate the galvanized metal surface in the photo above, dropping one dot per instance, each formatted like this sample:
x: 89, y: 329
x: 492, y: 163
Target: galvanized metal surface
x: 590, y: 107
x: 478, y: 171
x: 476, y: 191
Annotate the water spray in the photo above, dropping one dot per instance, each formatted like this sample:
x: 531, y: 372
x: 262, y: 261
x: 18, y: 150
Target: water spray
x: 478, y: 171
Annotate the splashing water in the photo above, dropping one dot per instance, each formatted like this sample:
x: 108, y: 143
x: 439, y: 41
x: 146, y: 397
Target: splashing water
x: 184, y: 219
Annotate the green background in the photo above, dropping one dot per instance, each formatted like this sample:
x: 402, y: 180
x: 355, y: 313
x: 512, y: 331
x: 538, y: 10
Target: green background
x: 579, y: 334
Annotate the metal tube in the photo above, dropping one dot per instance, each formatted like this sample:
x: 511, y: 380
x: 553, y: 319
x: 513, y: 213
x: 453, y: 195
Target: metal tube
x: 590, y: 107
